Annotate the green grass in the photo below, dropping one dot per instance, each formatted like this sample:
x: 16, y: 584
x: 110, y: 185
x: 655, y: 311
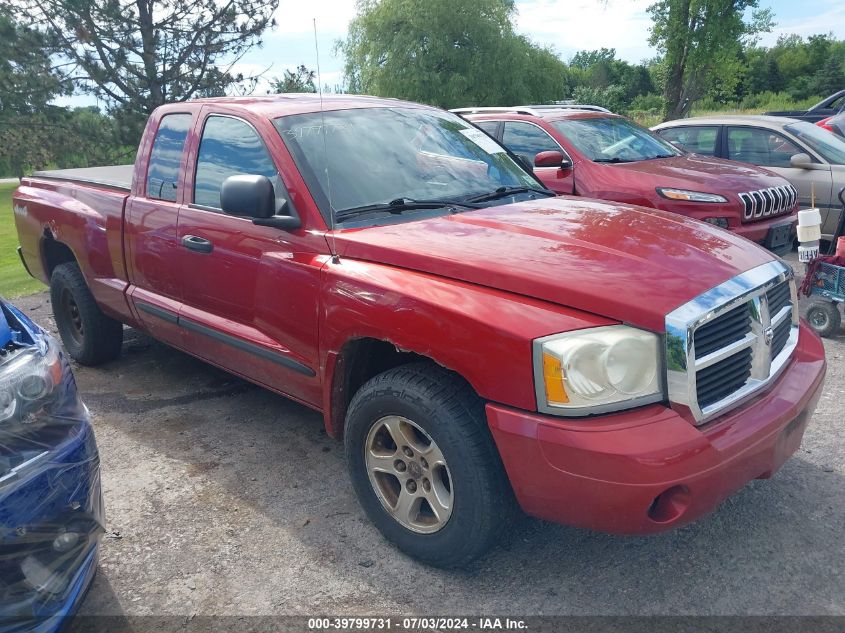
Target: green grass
x: 14, y: 280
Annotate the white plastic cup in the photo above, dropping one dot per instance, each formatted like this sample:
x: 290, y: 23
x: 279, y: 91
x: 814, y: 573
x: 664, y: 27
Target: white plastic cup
x: 809, y: 217
x: 809, y: 233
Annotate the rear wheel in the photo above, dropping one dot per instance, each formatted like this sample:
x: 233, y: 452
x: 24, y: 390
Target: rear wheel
x: 424, y: 466
x: 824, y: 318
x: 89, y: 336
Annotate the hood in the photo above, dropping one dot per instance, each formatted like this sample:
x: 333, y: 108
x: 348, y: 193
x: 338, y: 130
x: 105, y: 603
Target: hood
x: 704, y: 173
x: 15, y: 327
x: 619, y: 261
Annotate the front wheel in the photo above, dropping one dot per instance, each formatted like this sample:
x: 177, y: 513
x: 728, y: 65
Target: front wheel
x: 424, y: 466
x: 824, y: 318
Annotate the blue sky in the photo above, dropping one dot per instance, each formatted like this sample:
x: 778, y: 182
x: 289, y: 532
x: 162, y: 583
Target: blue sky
x: 566, y: 25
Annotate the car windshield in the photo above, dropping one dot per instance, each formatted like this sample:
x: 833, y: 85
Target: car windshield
x: 614, y: 140
x: 382, y: 157
x: 828, y: 146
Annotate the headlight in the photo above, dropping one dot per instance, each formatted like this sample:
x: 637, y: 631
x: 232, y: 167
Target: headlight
x: 690, y: 196
x: 597, y: 370
x: 28, y: 379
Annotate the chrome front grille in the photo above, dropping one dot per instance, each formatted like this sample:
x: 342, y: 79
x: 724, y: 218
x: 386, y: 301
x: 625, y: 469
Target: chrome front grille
x: 765, y: 203
x: 729, y: 343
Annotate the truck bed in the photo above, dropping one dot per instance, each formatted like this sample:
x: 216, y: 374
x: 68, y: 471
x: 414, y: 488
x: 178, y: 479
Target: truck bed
x: 111, y: 176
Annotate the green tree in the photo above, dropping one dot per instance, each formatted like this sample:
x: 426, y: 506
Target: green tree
x: 28, y: 82
x: 448, y: 53
x: 700, y: 40
x: 300, y: 79
x: 830, y: 77
x: 139, y: 54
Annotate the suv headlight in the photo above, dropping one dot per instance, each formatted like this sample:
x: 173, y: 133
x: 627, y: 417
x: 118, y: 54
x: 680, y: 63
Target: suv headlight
x: 28, y: 379
x: 690, y: 196
x: 597, y: 370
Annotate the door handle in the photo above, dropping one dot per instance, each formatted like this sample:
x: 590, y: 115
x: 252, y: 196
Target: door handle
x: 198, y: 244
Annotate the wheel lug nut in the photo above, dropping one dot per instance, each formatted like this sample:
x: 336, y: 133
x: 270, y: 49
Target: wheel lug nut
x: 400, y: 466
x: 412, y: 486
x: 426, y: 485
x: 408, y: 452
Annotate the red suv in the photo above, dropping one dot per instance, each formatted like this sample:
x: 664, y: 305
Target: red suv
x: 602, y: 155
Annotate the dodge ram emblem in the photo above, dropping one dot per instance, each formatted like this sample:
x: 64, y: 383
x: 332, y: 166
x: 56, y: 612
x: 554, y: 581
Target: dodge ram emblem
x: 769, y: 335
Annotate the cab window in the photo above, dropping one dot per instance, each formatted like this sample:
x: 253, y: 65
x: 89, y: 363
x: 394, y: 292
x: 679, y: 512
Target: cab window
x: 166, y: 156
x: 229, y: 147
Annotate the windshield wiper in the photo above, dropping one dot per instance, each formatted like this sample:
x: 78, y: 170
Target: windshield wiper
x: 400, y: 205
x: 615, y: 159
x: 504, y: 192
x: 660, y: 156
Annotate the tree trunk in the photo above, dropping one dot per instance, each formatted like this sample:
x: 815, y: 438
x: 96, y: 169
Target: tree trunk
x: 676, y: 56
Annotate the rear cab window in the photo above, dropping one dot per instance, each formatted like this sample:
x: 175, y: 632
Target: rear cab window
x: 229, y: 147
x: 166, y: 157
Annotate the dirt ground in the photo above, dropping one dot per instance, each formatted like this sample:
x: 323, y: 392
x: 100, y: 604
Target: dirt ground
x: 223, y: 498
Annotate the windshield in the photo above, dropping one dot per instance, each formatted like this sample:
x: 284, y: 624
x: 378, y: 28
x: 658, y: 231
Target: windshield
x: 614, y: 140
x: 828, y: 146
x: 376, y: 156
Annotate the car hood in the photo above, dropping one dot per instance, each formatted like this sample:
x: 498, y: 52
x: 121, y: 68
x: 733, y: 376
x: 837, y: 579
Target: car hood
x: 619, y: 261
x: 15, y: 327
x: 704, y: 173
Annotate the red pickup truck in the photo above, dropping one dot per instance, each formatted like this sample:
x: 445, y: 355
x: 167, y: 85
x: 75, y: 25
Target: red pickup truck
x: 606, y: 156
x: 479, y: 344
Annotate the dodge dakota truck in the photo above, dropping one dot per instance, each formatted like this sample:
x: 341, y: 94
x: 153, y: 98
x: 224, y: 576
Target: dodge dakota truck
x: 479, y: 344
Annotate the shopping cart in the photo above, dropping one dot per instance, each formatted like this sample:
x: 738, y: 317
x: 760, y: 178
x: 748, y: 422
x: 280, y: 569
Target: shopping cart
x: 828, y: 288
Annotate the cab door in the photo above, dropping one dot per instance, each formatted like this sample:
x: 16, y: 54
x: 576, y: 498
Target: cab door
x: 527, y: 140
x: 249, y: 292
x: 150, y: 230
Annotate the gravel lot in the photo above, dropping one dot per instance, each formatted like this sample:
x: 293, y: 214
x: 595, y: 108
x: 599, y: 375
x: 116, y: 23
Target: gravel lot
x: 223, y: 498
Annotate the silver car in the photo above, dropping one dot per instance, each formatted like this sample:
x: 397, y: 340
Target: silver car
x: 809, y: 157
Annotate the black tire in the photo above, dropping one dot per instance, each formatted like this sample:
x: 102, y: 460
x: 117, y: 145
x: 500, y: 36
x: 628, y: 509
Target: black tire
x: 452, y: 417
x: 88, y: 335
x: 824, y: 318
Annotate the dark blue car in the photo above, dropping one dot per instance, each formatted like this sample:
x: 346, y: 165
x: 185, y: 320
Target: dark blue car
x: 51, y: 510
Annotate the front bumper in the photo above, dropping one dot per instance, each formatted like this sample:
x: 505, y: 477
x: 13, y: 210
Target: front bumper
x: 51, y: 516
x: 764, y: 231
x: 649, y: 470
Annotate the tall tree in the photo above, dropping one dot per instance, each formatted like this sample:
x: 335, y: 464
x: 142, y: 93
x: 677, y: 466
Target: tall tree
x: 300, y: 79
x: 28, y: 82
x: 139, y: 54
x: 448, y: 53
x: 700, y: 40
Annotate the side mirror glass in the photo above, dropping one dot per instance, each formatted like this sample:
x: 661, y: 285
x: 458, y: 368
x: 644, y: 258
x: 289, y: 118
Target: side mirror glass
x: 800, y: 161
x: 552, y: 159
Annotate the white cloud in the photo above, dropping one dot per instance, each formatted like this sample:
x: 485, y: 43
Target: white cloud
x: 831, y: 20
x: 573, y: 25
x: 296, y: 16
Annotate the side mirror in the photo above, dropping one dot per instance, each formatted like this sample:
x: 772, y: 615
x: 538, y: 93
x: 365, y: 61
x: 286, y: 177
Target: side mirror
x: 801, y: 161
x: 254, y: 197
x: 552, y: 159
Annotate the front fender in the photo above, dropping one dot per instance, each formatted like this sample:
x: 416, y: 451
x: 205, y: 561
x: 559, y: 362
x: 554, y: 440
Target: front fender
x: 481, y: 333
